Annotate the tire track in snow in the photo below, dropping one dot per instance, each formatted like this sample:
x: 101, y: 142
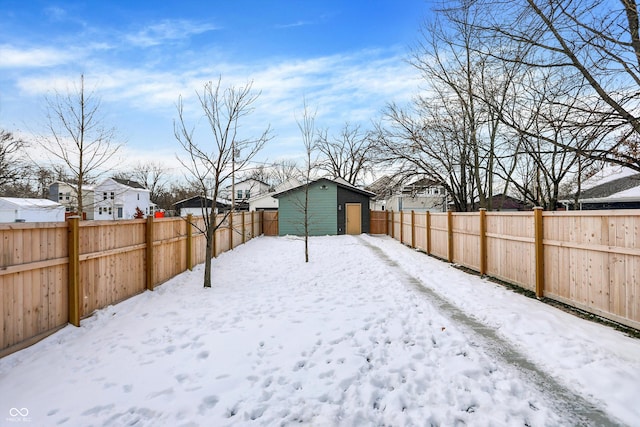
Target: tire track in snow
x: 566, y: 401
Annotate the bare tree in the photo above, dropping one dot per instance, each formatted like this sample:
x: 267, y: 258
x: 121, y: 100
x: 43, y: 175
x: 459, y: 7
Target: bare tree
x: 347, y: 155
x: 451, y: 133
x: 283, y: 170
x: 11, y: 163
x: 595, y: 40
x: 306, y: 124
x: 548, y: 147
x: 77, y: 138
x: 212, y: 160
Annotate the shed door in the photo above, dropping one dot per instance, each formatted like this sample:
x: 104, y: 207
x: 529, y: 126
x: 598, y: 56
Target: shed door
x: 354, y: 218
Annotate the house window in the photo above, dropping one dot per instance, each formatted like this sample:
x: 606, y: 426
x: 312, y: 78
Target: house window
x: 138, y: 196
x: 239, y: 194
x: 100, y: 210
x: 111, y: 195
x: 104, y: 196
x: 110, y: 211
x: 119, y: 211
x: 60, y: 196
x: 66, y: 196
x: 247, y: 193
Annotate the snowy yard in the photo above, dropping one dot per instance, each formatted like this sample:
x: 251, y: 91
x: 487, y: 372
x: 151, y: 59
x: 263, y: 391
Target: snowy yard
x: 368, y: 333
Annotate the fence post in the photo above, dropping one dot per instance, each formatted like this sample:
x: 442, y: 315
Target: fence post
x: 244, y: 233
x: 386, y: 223
x: 231, y: 230
x: 253, y: 224
x: 483, y: 241
x: 428, y: 226
x: 537, y: 219
x: 214, y: 237
x: 74, y: 270
x: 413, y: 229
x: 150, y: 263
x: 392, y: 226
x: 401, y: 226
x: 450, y: 236
x: 189, y: 242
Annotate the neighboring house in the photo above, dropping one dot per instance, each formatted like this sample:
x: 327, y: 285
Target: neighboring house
x: 335, y: 207
x: 266, y: 201
x: 244, y: 190
x: 420, y: 196
x: 383, y: 188
x: 505, y: 203
x: 615, y: 191
x: 13, y: 209
x: 196, y: 205
x: 67, y: 196
x: 119, y: 198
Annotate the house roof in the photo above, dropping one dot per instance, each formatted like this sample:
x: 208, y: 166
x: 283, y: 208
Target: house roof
x: 198, y: 199
x: 31, y: 203
x: 84, y: 187
x: 625, y: 188
x: 288, y: 184
x: 129, y: 183
x: 339, y: 182
x: 245, y: 180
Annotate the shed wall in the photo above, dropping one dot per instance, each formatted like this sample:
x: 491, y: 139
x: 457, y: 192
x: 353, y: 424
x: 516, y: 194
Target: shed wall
x: 322, y: 211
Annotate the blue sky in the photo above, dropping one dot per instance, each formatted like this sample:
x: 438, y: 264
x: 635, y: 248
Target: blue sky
x: 347, y: 58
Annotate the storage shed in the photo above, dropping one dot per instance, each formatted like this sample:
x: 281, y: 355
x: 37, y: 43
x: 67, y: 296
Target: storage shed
x: 13, y: 209
x: 335, y: 207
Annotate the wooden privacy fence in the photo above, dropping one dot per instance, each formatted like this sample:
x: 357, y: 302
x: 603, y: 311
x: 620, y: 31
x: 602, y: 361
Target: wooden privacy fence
x: 52, y: 274
x: 586, y: 259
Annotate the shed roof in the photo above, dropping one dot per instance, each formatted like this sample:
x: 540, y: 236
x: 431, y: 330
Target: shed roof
x: 30, y: 203
x: 340, y: 183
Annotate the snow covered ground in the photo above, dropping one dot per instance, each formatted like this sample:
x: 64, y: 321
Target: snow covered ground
x: 369, y: 332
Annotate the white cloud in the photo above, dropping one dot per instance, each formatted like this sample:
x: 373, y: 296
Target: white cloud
x: 167, y: 30
x: 353, y: 87
x: 13, y: 57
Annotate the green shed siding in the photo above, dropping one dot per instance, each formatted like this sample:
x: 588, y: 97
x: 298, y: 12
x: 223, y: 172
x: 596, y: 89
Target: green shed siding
x: 322, y: 210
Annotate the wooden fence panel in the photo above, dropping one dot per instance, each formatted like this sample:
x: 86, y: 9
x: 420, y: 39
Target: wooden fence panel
x: 466, y: 240
x: 406, y: 228
x: 378, y: 222
x: 112, y: 262
x: 511, y: 248
x: 439, y: 235
x: 199, y: 240
x: 397, y: 227
x: 592, y: 261
x: 270, y: 225
x: 33, y: 281
x: 420, y: 232
x: 170, y: 250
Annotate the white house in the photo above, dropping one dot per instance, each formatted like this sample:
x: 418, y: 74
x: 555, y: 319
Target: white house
x: 119, y: 198
x: 421, y: 196
x: 67, y: 196
x: 266, y: 202
x: 244, y: 190
x: 14, y: 209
